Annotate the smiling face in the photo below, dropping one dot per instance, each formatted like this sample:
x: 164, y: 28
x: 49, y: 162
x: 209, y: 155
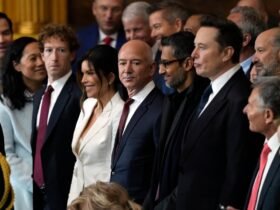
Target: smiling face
x: 267, y: 55
x: 136, y: 66
x: 31, y: 65
x: 6, y: 36
x: 160, y: 27
x: 174, y: 73
x: 94, y: 86
x: 57, y: 57
x: 108, y: 14
x: 255, y: 113
x: 137, y: 28
x: 208, y: 55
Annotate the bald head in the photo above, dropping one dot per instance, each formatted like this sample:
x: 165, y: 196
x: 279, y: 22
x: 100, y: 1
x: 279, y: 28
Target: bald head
x: 267, y: 55
x: 136, y: 67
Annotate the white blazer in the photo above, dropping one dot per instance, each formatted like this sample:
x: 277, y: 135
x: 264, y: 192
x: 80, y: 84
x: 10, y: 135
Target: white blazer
x: 94, y: 156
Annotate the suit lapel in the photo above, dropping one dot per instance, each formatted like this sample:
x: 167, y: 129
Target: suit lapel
x: 97, y: 126
x: 59, y: 106
x: 273, y: 171
x: 211, y: 111
x: 141, y: 110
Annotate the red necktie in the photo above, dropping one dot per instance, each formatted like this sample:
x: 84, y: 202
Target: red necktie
x: 255, y: 190
x: 122, y: 122
x: 107, y: 40
x: 43, y: 122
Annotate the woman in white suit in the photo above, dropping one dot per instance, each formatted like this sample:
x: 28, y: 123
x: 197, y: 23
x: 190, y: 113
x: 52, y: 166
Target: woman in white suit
x: 97, y: 125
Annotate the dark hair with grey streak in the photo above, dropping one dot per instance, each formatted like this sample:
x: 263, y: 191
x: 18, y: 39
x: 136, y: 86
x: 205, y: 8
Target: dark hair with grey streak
x: 251, y: 22
x: 269, y: 93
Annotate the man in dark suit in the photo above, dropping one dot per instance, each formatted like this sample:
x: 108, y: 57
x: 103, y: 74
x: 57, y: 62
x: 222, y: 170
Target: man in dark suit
x: 263, y: 112
x: 176, y: 66
x: 134, y: 150
x: 108, y: 15
x: 218, y: 148
x: 51, y: 144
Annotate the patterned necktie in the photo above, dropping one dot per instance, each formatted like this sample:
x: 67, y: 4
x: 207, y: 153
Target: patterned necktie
x: 204, y: 99
x: 107, y: 40
x: 43, y: 122
x: 255, y: 190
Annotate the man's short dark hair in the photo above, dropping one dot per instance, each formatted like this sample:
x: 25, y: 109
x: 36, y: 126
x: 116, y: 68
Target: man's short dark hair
x: 228, y: 34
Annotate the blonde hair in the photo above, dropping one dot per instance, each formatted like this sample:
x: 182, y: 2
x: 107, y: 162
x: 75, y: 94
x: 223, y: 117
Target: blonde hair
x: 103, y: 196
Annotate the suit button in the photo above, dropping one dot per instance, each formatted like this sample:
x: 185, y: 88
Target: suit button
x: 113, y: 172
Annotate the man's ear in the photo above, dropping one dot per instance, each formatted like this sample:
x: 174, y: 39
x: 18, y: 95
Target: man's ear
x: 246, y: 39
x: 268, y: 116
x: 188, y: 64
x: 178, y: 24
x: 228, y: 53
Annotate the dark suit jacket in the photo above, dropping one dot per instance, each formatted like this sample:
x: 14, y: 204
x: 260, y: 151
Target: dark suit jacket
x: 132, y: 164
x: 89, y: 37
x: 270, y: 193
x: 57, y: 157
x: 219, y: 152
x: 174, y: 118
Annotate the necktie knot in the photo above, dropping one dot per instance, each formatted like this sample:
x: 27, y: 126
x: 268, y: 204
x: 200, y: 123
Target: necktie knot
x: 255, y: 189
x: 49, y: 90
x: 129, y: 101
x: 264, y: 154
x: 107, y: 40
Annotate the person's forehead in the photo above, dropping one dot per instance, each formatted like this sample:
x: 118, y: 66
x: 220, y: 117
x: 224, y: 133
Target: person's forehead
x: 4, y: 24
x: 206, y: 33
x: 109, y: 3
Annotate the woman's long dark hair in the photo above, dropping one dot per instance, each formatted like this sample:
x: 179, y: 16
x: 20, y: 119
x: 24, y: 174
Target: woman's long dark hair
x: 104, y: 59
x: 13, y: 85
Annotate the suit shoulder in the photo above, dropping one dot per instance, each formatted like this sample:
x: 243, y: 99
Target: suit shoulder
x: 87, y: 30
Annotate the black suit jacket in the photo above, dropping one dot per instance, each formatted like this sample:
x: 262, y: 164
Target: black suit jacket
x: 270, y: 193
x: 132, y: 164
x: 173, y: 123
x: 57, y: 157
x: 219, y: 152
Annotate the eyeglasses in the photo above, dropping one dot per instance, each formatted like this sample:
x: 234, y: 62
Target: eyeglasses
x: 166, y: 63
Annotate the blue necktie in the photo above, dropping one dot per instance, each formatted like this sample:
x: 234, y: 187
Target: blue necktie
x: 204, y: 98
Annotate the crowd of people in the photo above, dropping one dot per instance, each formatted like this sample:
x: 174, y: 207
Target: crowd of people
x: 152, y: 107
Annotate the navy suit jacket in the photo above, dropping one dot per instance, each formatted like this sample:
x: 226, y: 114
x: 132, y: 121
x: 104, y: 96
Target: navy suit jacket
x: 57, y: 157
x: 219, y: 152
x: 89, y: 37
x: 132, y: 164
x: 270, y: 194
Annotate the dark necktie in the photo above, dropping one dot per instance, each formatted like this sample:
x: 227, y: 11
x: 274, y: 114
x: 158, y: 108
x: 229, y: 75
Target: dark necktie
x: 255, y: 189
x: 204, y: 98
x: 122, y: 123
x: 43, y: 122
x: 107, y: 40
